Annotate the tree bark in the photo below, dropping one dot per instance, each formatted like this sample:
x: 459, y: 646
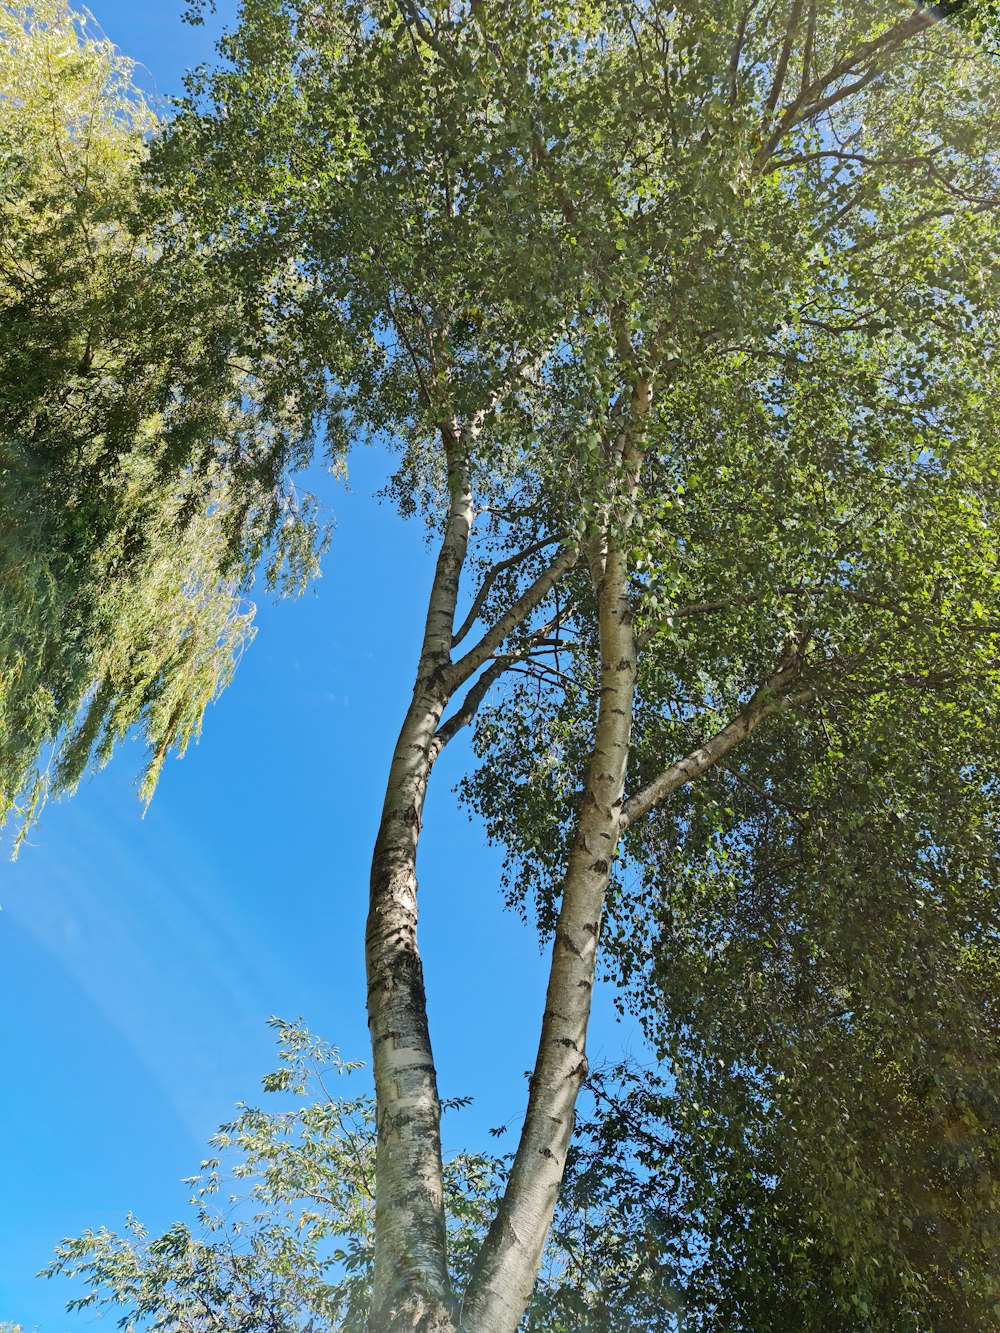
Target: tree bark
x: 508, y: 1263
x: 411, y: 1284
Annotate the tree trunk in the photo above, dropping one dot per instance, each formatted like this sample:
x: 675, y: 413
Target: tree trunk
x: 411, y: 1285
x: 508, y: 1263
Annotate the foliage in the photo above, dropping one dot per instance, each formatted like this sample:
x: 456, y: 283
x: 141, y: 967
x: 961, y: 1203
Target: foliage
x: 284, y: 1224
x: 707, y: 297
x: 139, y: 456
x: 282, y: 1232
x: 820, y: 972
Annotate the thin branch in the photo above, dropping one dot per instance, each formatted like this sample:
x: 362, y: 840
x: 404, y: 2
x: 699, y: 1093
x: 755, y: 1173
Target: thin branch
x: 513, y: 371
x: 849, y: 204
x: 515, y: 615
x: 792, y: 807
x: 863, y: 159
x: 556, y: 646
x: 412, y: 13
x: 792, y: 590
x: 490, y: 578
x: 801, y: 109
x: 402, y: 335
x: 543, y: 672
x: 470, y: 705
x: 930, y: 215
x: 849, y: 326
x: 736, y: 54
x: 467, y: 710
x: 807, y: 49
x: 796, y: 114
x: 782, y: 66
x: 838, y: 95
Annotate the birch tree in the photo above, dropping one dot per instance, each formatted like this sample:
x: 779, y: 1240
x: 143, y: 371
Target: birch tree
x: 682, y: 324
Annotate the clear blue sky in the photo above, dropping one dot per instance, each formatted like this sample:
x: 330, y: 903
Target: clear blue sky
x: 139, y: 959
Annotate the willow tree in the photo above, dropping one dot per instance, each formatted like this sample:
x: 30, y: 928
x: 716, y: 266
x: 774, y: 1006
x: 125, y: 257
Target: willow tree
x: 683, y: 324
x: 138, y: 455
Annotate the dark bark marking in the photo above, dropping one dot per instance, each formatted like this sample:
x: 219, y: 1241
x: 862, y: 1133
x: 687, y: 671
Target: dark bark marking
x: 567, y: 943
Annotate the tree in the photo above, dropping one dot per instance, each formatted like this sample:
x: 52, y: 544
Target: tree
x: 138, y: 454
x: 684, y: 326
x: 284, y: 1224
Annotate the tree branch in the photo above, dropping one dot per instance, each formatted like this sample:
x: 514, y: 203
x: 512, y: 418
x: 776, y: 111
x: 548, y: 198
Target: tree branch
x: 792, y: 807
x: 801, y: 108
x: 512, y: 372
x: 782, y: 66
x: 537, y: 641
x: 736, y: 53
x: 490, y: 578
x: 768, y: 701
x: 470, y: 705
x: 466, y: 666
x: 685, y: 609
x: 841, y: 155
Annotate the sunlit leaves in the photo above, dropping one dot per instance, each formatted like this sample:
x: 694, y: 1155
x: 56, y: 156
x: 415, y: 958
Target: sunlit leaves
x: 144, y: 432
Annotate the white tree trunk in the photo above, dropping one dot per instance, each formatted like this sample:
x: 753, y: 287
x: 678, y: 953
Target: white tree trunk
x: 505, y: 1273
x: 411, y: 1287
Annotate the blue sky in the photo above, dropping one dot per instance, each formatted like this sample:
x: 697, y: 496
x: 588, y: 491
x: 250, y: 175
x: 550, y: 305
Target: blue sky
x: 140, y: 958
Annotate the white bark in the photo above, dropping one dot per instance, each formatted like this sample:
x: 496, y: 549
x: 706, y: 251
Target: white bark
x: 411, y: 1289
x: 507, y: 1266
x: 766, y: 702
x: 411, y: 1286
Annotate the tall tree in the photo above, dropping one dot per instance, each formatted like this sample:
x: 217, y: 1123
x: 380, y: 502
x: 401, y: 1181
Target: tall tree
x: 687, y: 313
x: 684, y: 325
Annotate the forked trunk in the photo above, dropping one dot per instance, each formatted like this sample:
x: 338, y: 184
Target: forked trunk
x: 411, y: 1290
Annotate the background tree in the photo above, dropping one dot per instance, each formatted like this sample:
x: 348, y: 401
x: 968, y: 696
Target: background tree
x: 683, y: 324
x: 283, y: 1233
x: 139, y: 451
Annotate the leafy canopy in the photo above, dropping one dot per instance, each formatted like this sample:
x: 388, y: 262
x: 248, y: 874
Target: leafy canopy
x: 759, y: 244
